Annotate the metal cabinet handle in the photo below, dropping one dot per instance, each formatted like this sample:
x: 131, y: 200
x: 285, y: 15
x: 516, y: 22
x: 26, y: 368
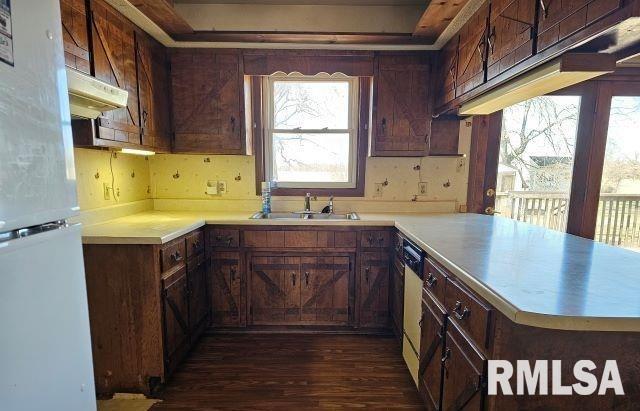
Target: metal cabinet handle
x: 431, y: 280
x: 381, y: 240
x: 233, y: 124
x: 370, y: 239
x: 176, y: 256
x: 233, y: 274
x: 306, y: 278
x: 544, y: 8
x: 446, y: 355
x: 145, y: 115
x: 293, y: 278
x: 460, y: 315
x: 383, y: 124
x: 196, y: 244
x: 366, y: 273
x: 421, y: 320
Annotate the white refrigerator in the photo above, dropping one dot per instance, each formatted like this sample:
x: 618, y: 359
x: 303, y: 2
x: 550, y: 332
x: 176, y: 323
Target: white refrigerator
x: 45, y: 344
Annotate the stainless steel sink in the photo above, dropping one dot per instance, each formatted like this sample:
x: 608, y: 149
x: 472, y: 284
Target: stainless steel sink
x: 305, y: 216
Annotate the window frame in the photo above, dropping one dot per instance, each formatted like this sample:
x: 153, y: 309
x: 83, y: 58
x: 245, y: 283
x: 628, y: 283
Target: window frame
x: 362, y: 102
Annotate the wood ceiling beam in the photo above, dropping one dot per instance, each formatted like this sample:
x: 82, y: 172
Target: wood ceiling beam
x: 164, y: 15
x: 436, y: 18
x: 303, y: 37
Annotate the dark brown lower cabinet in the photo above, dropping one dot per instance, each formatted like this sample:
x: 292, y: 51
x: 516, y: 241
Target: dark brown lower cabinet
x: 374, y: 289
x: 300, y: 290
x: 175, y: 306
x: 463, y: 372
x: 432, y: 342
x: 227, y: 308
x: 198, y: 295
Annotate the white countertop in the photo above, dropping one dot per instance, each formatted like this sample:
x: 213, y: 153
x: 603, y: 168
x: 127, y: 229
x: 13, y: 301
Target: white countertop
x: 532, y: 275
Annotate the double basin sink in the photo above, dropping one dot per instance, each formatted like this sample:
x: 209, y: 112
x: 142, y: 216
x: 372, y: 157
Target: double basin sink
x: 305, y: 216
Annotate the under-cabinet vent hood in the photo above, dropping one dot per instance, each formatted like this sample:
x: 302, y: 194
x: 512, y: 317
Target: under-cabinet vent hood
x: 88, y: 96
x: 567, y: 70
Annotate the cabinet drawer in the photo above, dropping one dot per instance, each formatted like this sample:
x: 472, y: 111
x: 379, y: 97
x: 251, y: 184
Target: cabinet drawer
x: 195, y: 243
x: 466, y: 310
x: 173, y: 254
x: 221, y: 237
x: 434, y: 281
x: 299, y: 239
x: 374, y: 239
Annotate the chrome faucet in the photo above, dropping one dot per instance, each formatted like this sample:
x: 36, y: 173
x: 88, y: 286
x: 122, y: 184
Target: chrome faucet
x: 307, y: 203
x: 331, y: 205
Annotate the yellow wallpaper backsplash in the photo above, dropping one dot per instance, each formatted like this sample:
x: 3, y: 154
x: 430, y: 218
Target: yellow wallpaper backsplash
x: 176, y: 181
x: 94, y: 169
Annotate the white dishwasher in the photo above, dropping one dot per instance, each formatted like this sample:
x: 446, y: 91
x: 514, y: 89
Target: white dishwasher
x: 413, y: 266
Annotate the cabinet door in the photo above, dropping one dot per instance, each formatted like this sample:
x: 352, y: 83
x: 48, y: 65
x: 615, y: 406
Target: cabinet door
x: 446, y: 72
x: 472, y: 52
x: 208, y: 99
x: 374, y: 289
x: 75, y: 34
x: 275, y: 290
x: 198, y: 295
x: 558, y: 19
x: 510, y: 34
x: 154, y: 93
x: 176, y: 317
x: 114, y: 57
x: 396, y: 295
x: 325, y: 290
x: 463, y: 373
x: 226, y: 290
x: 431, y: 349
x: 402, y: 105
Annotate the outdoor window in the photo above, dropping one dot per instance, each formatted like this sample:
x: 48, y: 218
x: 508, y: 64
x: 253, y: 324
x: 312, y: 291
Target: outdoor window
x: 311, y: 125
x: 537, y: 150
x: 618, y: 219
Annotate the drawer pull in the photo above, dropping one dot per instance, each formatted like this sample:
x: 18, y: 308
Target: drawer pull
x: 176, y: 256
x: 431, y: 280
x: 370, y: 240
x: 196, y: 244
x: 366, y: 274
x: 293, y: 279
x: 306, y: 278
x: 460, y: 315
x: 381, y: 241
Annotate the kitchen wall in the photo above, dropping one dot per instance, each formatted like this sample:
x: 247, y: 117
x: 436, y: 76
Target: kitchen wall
x: 178, y: 182
x: 129, y: 175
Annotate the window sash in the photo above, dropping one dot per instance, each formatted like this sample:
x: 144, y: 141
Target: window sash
x: 352, y: 131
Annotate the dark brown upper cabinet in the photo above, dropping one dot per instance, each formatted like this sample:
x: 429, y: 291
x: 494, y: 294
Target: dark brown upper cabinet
x: 472, y: 52
x: 114, y: 59
x: 75, y: 35
x: 208, y: 101
x: 401, y: 105
x: 154, y: 81
x: 445, y: 73
x: 558, y: 19
x: 510, y: 38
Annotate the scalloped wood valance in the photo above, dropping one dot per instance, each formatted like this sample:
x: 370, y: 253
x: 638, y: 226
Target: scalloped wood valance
x: 308, y: 62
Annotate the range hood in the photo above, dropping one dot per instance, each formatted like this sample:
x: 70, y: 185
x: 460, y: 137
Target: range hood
x: 567, y: 70
x: 88, y: 96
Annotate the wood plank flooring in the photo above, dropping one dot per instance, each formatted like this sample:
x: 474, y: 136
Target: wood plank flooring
x: 291, y: 372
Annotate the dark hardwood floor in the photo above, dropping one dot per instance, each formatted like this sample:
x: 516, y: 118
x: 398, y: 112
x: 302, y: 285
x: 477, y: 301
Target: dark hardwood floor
x: 291, y: 372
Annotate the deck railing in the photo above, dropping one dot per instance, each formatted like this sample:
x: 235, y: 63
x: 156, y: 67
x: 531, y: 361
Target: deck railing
x: 618, y: 220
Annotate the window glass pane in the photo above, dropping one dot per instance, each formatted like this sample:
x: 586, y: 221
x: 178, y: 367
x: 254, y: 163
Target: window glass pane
x: 311, y: 104
x: 311, y: 157
x: 618, y: 220
x: 537, y: 150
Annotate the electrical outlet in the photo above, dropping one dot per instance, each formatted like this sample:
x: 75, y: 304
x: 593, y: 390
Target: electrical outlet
x: 422, y: 187
x: 106, y: 190
x: 222, y: 187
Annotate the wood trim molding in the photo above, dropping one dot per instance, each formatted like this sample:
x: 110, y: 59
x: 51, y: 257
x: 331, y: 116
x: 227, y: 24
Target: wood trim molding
x: 164, y: 15
x: 303, y: 38
x: 364, y: 99
x: 483, y: 161
x: 437, y: 17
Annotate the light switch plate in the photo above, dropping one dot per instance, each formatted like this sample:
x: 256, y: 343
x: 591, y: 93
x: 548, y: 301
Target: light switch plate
x: 212, y: 187
x: 106, y: 191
